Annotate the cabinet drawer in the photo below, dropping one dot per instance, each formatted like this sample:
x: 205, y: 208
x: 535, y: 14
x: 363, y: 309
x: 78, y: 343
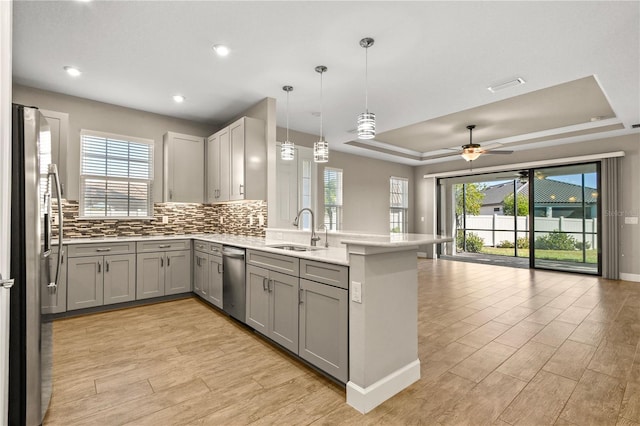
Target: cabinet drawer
x: 166, y: 245
x: 207, y: 247
x: 274, y: 262
x: 327, y: 273
x: 79, y: 250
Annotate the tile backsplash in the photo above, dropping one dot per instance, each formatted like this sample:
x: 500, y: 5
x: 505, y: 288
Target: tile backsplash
x: 239, y: 218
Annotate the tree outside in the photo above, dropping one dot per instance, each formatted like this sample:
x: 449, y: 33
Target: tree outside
x: 523, y: 205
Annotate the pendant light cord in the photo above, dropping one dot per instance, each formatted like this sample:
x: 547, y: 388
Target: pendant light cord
x: 287, y: 116
x: 366, y: 79
x: 321, y: 104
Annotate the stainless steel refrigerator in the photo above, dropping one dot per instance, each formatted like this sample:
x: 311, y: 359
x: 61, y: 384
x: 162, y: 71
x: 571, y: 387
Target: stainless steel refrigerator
x: 34, y: 182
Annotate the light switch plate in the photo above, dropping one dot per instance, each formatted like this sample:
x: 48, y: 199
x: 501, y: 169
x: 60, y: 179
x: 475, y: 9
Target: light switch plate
x: 631, y: 220
x: 165, y: 219
x: 356, y: 291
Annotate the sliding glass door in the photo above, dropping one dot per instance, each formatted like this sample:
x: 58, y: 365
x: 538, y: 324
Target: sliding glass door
x: 565, y: 218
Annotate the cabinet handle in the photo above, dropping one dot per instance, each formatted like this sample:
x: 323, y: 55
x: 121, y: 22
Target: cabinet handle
x: 164, y: 246
x: 99, y: 267
x: 270, y: 286
x: 170, y: 194
x: 197, y: 261
x: 220, y: 270
x: 162, y: 261
x: 168, y: 261
x: 106, y: 266
x: 100, y: 250
x: 241, y: 189
x: 300, y: 297
x: 264, y: 283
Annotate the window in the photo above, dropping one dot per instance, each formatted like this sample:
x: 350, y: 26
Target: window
x: 332, y: 198
x: 399, y: 205
x: 116, y: 176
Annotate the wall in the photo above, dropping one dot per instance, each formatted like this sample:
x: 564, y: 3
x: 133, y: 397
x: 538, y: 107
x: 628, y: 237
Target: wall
x: 365, y: 186
x: 628, y: 193
x: 93, y: 115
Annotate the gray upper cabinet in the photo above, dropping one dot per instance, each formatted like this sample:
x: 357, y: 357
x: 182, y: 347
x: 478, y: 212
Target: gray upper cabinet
x: 237, y: 162
x: 54, y: 300
x: 163, y: 268
x: 183, y: 168
x: 100, y: 274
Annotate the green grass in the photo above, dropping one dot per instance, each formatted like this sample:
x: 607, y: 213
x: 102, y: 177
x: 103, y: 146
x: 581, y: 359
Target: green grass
x: 563, y: 255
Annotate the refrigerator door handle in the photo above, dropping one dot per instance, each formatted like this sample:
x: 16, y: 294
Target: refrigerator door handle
x: 53, y: 171
x: 8, y: 283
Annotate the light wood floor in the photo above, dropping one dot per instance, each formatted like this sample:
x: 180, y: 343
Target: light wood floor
x: 497, y: 346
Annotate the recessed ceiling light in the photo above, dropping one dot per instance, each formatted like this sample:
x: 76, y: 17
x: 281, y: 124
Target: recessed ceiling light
x: 221, y: 49
x: 178, y: 99
x: 72, y: 71
x: 506, y: 85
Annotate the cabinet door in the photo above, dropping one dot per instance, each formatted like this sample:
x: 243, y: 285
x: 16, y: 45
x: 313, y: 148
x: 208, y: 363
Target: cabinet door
x: 177, y: 272
x: 215, y: 280
x: 119, y: 278
x: 200, y: 274
x: 324, y: 324
x: 150, y: 273
x: 257, y: 295
x: 54, y: 300
x: 218, y: 166
x: 84, y: 282
x: 283, y: 310
x: 59, y: 125
x: 236, y: 138
x: 184, y: 171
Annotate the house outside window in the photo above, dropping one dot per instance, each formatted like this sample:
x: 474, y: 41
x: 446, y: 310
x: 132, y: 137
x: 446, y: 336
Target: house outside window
x: 332, y: 198
x: 116, y: 176
x: 399, y: 205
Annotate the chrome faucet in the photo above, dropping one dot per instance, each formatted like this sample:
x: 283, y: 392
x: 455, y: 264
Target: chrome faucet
x: 314, y: 237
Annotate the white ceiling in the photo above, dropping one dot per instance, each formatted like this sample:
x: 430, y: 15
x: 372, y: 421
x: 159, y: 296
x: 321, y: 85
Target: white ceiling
x: 430, y: 59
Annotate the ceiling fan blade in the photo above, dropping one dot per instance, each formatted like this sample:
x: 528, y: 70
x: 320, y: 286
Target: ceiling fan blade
x: 498, y: 152
x: 435, y: 157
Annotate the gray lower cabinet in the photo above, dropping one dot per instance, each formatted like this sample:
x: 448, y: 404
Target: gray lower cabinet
x: 207, y: 272
x: 163, y: 273
x: 323, y: 330
x: 54, y: 300
x: 100, y: 280
x: 272, y: 305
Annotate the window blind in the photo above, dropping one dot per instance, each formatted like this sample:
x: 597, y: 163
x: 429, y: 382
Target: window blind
x: 116, y: 176
x: 398, y: 204
x: 332, y: 198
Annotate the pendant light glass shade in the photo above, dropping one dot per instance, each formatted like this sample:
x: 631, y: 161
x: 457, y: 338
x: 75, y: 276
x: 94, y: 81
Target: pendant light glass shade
x: 321, y: 147
x: 471, y: 151
x: 288, y: 148
x: 366, y: 120
x: 321, y: 151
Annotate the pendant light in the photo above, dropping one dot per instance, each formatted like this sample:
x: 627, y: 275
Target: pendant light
x: 471, y: 151
x: 321, y: 147
x: 366, y: 120
x: 287, y: 149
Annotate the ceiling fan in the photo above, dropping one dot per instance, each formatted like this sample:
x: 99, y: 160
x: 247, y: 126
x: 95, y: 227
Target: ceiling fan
x: 472, y: 151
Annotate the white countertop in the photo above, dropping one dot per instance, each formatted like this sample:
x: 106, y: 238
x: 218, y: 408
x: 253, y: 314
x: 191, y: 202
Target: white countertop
x: 395, y: 240
x: 336, y: 255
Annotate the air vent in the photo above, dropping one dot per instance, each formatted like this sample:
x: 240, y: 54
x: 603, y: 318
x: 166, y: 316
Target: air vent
x: 506, y: 85
x: 635, y: 126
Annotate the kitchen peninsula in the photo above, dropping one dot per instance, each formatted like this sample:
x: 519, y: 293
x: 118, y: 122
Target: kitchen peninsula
x: 379, y: 279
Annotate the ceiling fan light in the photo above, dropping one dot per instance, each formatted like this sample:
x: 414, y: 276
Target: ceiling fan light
x: 471, y: 153
x: 321, y: 151
x: 366, y: 125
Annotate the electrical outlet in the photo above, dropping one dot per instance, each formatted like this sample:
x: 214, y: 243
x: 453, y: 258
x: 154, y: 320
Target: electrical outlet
x: 261, y: 219
x: 54, y: 220
x: 631, y: 220
x: 250, y: 220
x: 221, y: 220
x: 165, y: 219
x: 356, y: 291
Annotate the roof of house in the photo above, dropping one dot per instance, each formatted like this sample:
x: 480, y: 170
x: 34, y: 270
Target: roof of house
x: 547, y: 192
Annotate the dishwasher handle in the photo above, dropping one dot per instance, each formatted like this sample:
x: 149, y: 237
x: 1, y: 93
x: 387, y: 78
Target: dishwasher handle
x: 232, y: 252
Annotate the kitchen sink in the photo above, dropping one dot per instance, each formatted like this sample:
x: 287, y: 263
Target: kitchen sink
x: 292, y: 247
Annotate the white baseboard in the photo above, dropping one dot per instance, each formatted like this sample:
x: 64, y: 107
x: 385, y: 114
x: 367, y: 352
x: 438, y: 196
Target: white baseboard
x: 630, y: 277
x: 366, y: 399
x: 422, y: 254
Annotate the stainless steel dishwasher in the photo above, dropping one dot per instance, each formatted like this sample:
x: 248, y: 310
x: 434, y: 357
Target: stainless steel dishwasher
x: 233, y: 284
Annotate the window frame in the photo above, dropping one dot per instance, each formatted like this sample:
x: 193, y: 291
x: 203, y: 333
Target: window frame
x: 403, y: 210
x: 339, y: 196
x: 84, y: 177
